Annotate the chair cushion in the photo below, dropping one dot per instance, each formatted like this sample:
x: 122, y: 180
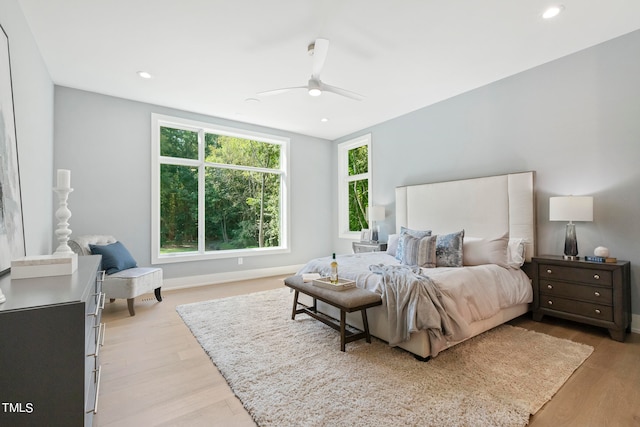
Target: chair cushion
x: 132, y: 282
x: 115, y: 257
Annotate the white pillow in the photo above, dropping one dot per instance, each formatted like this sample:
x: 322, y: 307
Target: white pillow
x: 480, y: 251
x: 392, y: 244
x: 515, y: 252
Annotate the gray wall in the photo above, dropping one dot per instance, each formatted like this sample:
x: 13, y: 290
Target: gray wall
x: 33, y: 105
x: 106, y: 143
x: 575, y: 121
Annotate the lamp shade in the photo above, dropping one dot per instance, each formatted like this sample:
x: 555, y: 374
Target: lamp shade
x: 375, y: 213
x: 571, y: 208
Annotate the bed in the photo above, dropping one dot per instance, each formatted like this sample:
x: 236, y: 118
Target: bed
x: 484, y: 231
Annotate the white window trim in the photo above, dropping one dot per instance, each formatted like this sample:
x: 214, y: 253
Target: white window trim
x: 158, y: 120
x: 344, y: 179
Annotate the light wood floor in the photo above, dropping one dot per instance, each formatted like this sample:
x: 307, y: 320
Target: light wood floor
x: 154, y: 373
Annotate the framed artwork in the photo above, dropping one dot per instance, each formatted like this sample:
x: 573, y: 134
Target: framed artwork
x: 11, y: 227
x: 365, y: 235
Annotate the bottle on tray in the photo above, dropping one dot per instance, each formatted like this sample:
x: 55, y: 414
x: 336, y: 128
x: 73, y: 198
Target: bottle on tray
x: 334, y: 271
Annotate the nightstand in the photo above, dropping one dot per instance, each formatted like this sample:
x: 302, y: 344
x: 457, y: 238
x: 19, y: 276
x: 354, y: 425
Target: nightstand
x: 359, y: 247
x: 594, y: 293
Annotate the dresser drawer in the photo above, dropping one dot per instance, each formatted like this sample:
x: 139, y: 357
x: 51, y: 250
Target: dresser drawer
x: 583, y: 275
x: 594, y: 294
x: 594, y: 311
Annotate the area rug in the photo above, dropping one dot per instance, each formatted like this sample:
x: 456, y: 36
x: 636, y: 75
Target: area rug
x: 292, y: 372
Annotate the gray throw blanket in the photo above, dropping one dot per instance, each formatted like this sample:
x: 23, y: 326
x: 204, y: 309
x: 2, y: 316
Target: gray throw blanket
x: 413, y: 303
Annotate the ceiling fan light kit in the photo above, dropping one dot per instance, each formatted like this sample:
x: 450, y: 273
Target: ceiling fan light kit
x: 315, y: 87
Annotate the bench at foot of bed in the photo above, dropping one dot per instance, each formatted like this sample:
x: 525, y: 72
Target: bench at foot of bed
x: 347, y: 301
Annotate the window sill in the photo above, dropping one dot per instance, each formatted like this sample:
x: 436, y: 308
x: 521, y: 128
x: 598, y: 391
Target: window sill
x: 192, y: 256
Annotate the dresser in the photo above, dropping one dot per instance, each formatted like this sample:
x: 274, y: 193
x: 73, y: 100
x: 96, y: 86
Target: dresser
x: 51, y: 334
x: 593, y: 293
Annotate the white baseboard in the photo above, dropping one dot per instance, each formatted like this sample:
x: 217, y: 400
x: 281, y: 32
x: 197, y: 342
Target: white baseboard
x: 635, y: 323
x: 231, y: 276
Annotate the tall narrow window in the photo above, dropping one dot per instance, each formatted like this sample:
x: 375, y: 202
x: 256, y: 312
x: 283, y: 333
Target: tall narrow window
x: 354, y: 177
x: 220, y: 192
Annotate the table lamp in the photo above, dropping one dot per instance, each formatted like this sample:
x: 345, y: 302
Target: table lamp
x: 571, y: 208
x: 374, y: 213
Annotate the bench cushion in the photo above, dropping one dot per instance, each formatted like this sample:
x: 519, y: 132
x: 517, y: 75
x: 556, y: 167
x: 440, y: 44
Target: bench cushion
x: 348, y: 300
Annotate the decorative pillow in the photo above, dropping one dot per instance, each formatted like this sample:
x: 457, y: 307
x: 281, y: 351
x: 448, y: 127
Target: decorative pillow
x: 419, y: 251
x: 392, y: 244
x: 479, y: 251
x: 414, y: 233
x: 115, y: 257
x: 449, y: 249
x: 515, y: 253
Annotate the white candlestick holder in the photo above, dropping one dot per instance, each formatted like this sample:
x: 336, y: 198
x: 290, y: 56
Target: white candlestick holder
x: 63, y: 214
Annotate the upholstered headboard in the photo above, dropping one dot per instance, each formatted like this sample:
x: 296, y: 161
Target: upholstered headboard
x: 483, y: 207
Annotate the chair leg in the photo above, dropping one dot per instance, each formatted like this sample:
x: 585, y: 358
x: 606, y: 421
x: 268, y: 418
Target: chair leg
x: 130, y: 305
x: 157, y: 292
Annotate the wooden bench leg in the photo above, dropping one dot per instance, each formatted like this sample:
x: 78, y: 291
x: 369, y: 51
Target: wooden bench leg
x: 343, y: 330
x: 295, y: 305
x: 365, y: 323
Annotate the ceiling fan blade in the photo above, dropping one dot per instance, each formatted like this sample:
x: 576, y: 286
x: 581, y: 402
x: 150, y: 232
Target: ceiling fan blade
x: 320, y: 51
x: 279, y: 91
x: 340, y: 91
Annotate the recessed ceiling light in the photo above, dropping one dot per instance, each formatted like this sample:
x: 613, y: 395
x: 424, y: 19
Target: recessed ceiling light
x: 144, y: 74
x: 324, y: 120
x: 552, y: 11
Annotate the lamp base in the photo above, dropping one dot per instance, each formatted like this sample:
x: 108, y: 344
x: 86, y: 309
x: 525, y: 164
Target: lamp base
x: 571, y: 242
x: 570, y: 257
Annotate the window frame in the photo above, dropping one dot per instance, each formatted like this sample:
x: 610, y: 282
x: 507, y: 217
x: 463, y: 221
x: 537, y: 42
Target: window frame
x: 344, y: 179
x: 159, y: 120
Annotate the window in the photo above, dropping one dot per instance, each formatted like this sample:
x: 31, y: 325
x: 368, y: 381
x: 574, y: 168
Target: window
x: 218, y: 192
x: 354, y: 178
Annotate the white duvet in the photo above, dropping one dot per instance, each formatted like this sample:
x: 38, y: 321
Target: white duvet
x: 469, y: 294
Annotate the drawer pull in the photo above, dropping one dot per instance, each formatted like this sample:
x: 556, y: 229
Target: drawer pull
x: 597, y: 294
x: 99, y: 340
x: 98, y: 374
x: 550, y: 302
x: 596, y: 276
x: 597, y: 311
x: 549, y: 271
x: 99, y: 306
x: 549, y: 286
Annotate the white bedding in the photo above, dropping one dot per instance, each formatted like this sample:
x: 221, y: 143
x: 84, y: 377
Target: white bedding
x: 469, y: 294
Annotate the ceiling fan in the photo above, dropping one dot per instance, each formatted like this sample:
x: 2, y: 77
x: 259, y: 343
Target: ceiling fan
x: 315, y: 87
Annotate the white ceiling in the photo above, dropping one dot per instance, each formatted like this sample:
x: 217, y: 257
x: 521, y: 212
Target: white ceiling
x: 209, y: 56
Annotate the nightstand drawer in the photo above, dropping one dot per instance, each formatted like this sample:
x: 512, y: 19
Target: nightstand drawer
x: 583, y: 275
x: 574, y: 291
x: 594, y: 311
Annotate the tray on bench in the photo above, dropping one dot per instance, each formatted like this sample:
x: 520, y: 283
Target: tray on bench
x: 325, y: 282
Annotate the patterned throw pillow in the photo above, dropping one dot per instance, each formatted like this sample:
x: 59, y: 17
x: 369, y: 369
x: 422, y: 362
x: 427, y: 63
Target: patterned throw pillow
x: 419, y: 251
x: 410, y: 232
x: 449, y: 249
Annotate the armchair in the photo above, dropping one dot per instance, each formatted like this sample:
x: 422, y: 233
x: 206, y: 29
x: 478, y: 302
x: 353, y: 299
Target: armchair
x: 123, y: 278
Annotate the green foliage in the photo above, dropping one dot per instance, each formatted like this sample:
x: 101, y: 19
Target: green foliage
x: 242, y: 206
x: 358, y: 189
x: 178, y: 143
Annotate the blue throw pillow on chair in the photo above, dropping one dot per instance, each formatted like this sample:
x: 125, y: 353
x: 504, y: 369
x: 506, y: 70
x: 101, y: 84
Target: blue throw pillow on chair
x: 115, y: 257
